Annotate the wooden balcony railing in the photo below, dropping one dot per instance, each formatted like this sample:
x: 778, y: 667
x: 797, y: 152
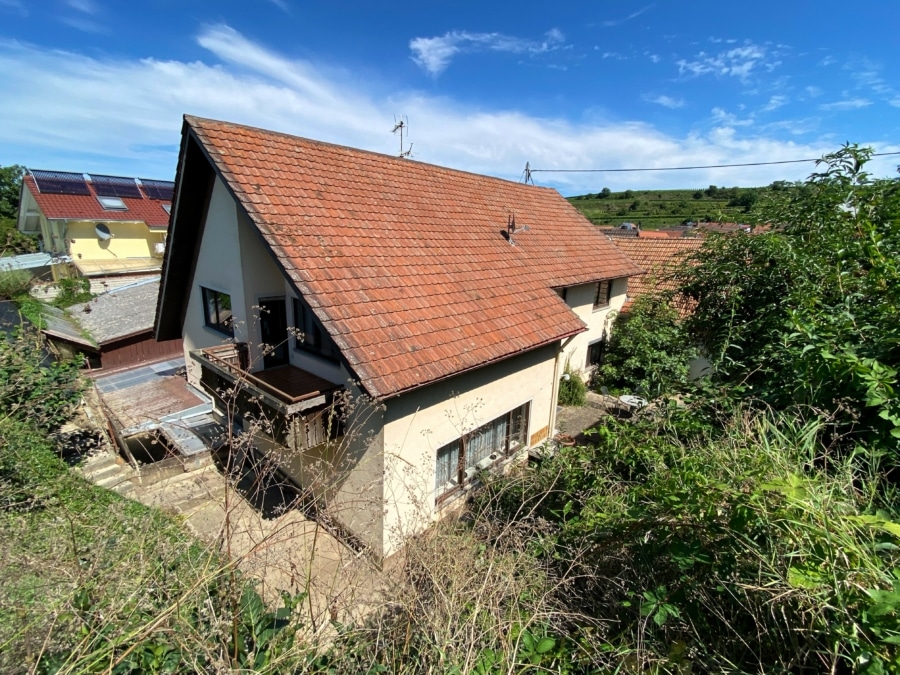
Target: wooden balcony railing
x: 288, y: 384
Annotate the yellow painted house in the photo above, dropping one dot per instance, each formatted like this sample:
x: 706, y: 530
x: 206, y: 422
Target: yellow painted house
x: 98, y: 225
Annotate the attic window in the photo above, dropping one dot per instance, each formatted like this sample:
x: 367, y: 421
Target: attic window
x: 112, y: 203
x: 167, y: 208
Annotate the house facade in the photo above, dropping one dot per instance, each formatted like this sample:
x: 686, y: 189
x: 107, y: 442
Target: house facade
x: 383, y: 329
x: 96, y: 225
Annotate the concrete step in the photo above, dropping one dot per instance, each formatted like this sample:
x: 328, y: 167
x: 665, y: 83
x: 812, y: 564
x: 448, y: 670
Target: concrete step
x: 189, y: 505
x: 101, y: 474
x: 112, y: 480
x: 99, y: 461
x: 125, y: 488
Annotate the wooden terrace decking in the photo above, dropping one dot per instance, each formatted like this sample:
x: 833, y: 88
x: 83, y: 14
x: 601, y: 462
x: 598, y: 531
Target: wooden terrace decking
x: 287, y: 383
x: 294, y: 384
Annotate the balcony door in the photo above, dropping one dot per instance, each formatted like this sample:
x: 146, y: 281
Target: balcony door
x: 273, y: 331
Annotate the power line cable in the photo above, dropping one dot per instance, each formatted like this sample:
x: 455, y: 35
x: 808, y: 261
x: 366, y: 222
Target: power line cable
x: 529, y: 171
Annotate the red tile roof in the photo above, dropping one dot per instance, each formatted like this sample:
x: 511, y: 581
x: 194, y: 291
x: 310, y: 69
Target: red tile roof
x: 404, y: 262
x: 656, y: 255
x: 86, y: 207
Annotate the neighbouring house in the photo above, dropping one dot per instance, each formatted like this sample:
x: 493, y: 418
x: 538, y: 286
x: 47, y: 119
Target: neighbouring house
x: 656, y: 256
x: 97, y: 226
x: 437, y: 309
x: 113, y: 330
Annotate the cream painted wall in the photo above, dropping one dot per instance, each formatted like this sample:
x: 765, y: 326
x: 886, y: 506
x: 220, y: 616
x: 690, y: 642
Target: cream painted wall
x: 129, y: 240
x: 262, y: 279
x: 419, y: 423
x: 218, y: 268
x: 357, y: 499
x: 581, y: 300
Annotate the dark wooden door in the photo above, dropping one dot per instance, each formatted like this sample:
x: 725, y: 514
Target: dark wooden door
x: 273, y: 331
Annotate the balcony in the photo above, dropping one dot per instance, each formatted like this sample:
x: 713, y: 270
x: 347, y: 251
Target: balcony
x: 287, y: 389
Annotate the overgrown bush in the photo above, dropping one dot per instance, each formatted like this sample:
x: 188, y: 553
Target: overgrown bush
x: 33, y: 385
x: 72, y: 291
x: 648, y: 350
x: 718, y: 549
x: 14, y: 283
x: 805, y: 311
x: 572, y: 390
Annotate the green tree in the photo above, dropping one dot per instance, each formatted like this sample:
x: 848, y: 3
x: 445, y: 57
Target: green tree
x: 11, y: 240
x: 648, y: 348
x: 604, y: 193
x: 806, y: 313
x: 10, y: 186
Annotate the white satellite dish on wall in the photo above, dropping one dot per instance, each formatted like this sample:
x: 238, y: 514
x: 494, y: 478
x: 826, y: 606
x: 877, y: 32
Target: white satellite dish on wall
x: 103, y: 233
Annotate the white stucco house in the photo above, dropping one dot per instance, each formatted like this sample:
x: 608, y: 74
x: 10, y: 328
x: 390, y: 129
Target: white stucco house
x: 433, y: 309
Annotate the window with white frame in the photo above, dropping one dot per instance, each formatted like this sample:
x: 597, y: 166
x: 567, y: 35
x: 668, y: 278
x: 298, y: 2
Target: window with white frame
x: 217, y: 311
x: 457, y: 461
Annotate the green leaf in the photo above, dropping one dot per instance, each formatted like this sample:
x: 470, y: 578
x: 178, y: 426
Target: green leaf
x: 545, y: 645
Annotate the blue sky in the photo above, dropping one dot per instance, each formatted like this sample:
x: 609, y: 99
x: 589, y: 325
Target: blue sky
x: 97, y: 85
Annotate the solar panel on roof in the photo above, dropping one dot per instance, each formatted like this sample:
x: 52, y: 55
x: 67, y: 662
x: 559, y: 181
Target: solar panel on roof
x: 60, y: 182
x: 159, y: 189
x: 115, y: 186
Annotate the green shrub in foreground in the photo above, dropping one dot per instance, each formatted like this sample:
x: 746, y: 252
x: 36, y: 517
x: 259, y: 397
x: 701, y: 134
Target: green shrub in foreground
x: 731, y: 551
x: 572, y: 390
x: 14, y: 283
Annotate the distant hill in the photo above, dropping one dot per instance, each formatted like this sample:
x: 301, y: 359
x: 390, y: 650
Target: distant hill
x: 659, y: 208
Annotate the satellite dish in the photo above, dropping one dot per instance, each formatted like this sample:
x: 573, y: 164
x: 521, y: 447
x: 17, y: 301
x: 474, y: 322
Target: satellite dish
x: 103, y: 233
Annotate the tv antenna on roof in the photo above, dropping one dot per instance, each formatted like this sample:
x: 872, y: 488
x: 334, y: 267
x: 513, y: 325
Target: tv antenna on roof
x: 400, y: 126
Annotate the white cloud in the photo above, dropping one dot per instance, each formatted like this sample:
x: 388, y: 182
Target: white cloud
x: 737, y: 62
x: 813, y: 91
x: 633, y: 15
x: 82, y: 24
x: 282, y: 5
x: 435, y: 53
x: 774, y: 103
x: 665, y: 101
x: 721, y: 116
x: 123, y: 117
x: 16, y: 6
x: 654, y: 58
x: 796, y: 127
x: 85, y: 6
x: 846, y: 104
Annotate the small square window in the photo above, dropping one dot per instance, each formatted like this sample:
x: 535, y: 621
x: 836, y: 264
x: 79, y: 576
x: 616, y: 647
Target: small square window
x: 112, y: 203
x: 217, y: 311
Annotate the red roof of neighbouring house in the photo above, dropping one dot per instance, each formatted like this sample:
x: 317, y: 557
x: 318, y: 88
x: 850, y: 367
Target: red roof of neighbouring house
x: 404, y: 262
x: 657, y: 256
x: 87, y: 207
